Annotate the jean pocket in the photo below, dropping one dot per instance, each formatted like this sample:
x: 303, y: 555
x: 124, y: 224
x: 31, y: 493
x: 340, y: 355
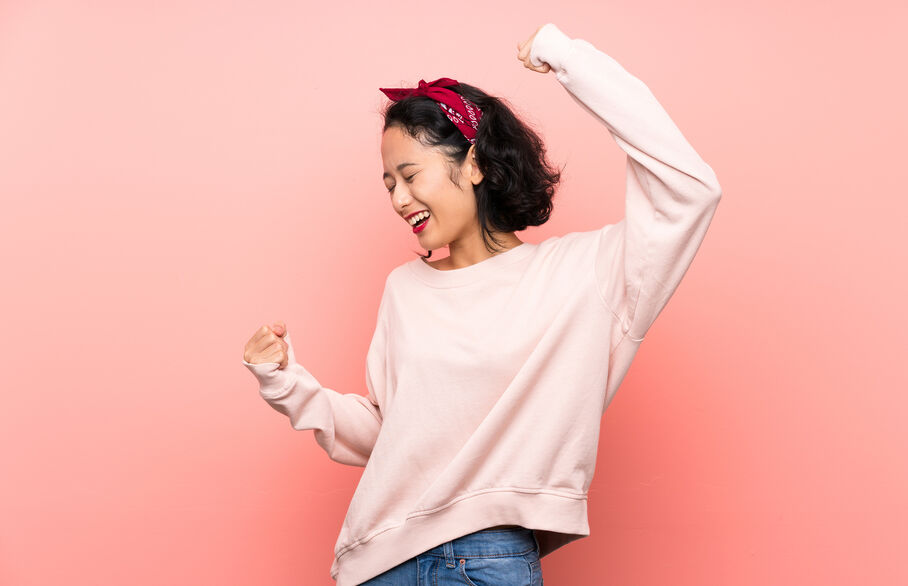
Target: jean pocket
x: 509, y: 570
x: 532, y: 559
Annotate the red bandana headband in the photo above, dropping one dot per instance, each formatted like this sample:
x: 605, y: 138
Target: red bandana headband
x: 459, y: 110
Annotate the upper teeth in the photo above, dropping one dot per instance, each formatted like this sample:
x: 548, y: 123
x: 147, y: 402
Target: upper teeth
x: 418, y: 217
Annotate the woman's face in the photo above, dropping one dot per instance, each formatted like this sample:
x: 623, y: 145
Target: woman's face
x: 425, y: 185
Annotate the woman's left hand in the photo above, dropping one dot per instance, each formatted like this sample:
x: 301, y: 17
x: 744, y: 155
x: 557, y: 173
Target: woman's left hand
x: 523, y: 54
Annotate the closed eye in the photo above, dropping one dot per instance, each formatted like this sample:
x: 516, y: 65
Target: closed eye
x: 406, y: 178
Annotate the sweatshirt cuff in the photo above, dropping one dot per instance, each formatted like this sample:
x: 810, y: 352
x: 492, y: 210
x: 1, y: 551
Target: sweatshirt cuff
x: 550, y: 45
x: 272, y: 380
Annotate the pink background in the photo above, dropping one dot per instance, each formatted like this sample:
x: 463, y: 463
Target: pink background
x: 173, y: 175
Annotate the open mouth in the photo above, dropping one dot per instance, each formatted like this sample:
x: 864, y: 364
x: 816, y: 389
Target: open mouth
x: 420, y: 225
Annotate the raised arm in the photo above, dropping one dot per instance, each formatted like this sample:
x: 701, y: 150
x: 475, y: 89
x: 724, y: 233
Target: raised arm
x: 346, y: 426
x: 671, y: 193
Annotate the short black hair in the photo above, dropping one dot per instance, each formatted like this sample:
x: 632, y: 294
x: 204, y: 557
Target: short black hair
x: 518, y: 182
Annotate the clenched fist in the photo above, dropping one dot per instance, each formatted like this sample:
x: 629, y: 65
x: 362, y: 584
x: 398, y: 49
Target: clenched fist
x: 269, y: 344
x: 523, y: 54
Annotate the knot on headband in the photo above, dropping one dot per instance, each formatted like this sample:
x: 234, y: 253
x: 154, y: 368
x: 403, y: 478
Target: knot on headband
x: 462, y: 112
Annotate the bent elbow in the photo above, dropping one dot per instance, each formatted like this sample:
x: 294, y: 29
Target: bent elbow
x: 716, y: 191
x: 711, y: 184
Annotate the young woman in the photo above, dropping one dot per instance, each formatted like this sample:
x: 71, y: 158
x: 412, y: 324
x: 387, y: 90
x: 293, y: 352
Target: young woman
x: 489, y: 370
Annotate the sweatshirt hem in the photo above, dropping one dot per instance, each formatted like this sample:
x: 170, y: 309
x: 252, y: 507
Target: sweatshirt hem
x: 557, y: 518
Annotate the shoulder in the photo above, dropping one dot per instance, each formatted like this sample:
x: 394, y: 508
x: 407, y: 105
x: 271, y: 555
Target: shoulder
x: 572, y: 243
x: 400, y: 277
x: 398, y: 272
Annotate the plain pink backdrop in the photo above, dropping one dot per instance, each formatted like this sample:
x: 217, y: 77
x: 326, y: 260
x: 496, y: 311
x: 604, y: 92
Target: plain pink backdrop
x: 173, y: 175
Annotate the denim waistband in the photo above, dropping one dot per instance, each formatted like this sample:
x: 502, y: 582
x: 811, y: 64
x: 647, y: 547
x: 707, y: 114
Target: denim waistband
x: 488, y: 542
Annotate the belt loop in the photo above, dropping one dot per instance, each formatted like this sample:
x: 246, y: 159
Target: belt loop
x: 449, y: 553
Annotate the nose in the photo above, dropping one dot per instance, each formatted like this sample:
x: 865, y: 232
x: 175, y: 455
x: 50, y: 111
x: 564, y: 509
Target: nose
x: 401, y: 199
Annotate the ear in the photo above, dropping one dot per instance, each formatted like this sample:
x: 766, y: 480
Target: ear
x: 475, y: 174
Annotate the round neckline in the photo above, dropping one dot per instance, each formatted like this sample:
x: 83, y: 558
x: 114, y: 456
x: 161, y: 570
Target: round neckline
x: 469, y: 273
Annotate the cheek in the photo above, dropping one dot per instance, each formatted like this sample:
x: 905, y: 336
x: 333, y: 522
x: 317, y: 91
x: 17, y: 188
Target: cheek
x: 465, y: 205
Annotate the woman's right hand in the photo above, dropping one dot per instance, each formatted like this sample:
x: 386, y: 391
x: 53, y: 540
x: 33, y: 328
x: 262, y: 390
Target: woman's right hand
x: 268, y: 344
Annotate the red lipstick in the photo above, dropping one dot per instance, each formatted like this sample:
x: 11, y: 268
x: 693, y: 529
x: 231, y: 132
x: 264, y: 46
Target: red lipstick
x: 421, y: 226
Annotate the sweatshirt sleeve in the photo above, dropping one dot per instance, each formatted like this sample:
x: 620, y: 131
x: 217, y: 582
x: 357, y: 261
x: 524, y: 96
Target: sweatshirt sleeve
x: 347, y: 425
x: 671, y: 193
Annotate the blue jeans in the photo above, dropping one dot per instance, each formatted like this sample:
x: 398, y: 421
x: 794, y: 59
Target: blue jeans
x: 499, y: 557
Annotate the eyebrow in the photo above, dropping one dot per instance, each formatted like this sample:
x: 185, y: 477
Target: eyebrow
x: 399, y: 167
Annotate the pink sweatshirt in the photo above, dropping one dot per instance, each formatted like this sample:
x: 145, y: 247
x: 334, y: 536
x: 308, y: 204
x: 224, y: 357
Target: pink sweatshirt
x: 487, y: 384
